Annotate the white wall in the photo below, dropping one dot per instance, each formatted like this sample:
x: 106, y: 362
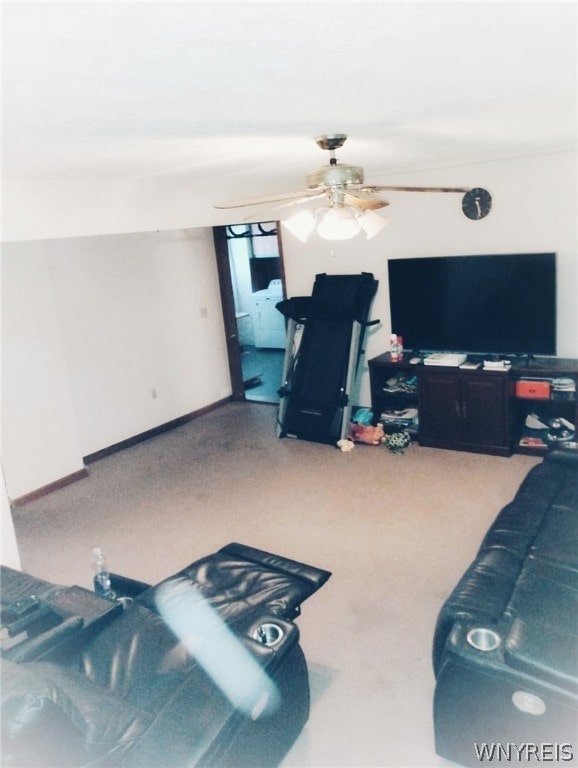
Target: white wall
x: 39, y: 431
x: 8, y: 546
x: 105, y: 338
x: 535, y: 207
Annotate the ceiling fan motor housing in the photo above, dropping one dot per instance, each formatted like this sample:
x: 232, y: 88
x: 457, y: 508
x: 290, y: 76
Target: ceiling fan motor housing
x: 335, y: 176
x: 331, y: 141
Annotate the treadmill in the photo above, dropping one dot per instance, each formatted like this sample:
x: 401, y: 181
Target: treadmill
x: 325, y: 332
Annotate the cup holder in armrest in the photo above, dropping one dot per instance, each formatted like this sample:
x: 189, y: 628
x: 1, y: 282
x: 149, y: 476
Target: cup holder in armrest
x: 269, y: 633
x: 483, y: 639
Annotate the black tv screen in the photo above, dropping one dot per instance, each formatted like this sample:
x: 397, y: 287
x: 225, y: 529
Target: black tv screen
x: 498, y: 304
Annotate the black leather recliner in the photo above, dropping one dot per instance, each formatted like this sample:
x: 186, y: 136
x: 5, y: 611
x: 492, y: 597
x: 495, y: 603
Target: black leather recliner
x: 107, y: 686
x: 505, y: 649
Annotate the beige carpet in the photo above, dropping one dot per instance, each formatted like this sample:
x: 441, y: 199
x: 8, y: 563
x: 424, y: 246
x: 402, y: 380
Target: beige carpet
x: 396, y: 531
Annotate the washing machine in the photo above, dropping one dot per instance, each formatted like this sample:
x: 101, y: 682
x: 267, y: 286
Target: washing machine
x: 268, y: 322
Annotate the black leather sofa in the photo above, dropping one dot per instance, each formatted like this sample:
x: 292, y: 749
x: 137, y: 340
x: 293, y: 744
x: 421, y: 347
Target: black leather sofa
x: 90, y: 681
x: 505, y: 649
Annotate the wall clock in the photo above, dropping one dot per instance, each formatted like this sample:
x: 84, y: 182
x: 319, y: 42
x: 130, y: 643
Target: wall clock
x: 477, y: 203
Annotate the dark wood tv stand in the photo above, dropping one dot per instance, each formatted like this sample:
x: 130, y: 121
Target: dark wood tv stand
x: 476, y: 410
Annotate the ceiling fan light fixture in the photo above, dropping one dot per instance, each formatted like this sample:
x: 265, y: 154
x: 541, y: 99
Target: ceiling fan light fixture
x: 301, y: 225
x: 339, y: 224
x: 372, y: 223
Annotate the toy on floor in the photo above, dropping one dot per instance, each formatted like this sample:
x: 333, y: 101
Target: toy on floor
x: 397, y: 442
x: 362, y: 433
x: 363, y: 416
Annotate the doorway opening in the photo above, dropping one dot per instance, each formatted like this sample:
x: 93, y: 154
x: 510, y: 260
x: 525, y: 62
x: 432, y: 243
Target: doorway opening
x: 251, y: 257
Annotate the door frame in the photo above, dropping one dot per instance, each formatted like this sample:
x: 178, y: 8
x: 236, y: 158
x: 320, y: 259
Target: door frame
x: 228, y: 305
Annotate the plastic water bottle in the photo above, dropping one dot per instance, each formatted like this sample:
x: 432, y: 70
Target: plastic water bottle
x: 394, y: 347
x: 101, y: 578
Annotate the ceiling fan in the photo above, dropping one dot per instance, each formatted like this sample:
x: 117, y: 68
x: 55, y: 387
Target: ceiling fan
x: 343, y: 184
x: 351, y: 204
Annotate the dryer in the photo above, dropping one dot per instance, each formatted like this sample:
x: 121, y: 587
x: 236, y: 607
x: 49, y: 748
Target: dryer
x: 268, y: 322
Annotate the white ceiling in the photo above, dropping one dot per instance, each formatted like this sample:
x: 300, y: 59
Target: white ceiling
x: 224, y: 98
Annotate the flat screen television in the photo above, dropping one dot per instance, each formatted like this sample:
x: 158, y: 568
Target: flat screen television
x: 497, y: 304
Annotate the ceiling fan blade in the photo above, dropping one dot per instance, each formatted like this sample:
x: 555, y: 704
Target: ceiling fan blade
x: 394, y: 188
x: 300, y: 200
x: 280, y: 198
x: 364, y: 203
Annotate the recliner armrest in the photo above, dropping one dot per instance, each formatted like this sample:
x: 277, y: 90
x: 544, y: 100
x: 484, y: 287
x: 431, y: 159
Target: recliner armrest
x: 36, y: 647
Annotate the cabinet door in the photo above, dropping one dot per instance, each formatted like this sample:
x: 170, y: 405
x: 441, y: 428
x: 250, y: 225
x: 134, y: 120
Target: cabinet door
x: 439, y: 408
x: 485, y: 411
